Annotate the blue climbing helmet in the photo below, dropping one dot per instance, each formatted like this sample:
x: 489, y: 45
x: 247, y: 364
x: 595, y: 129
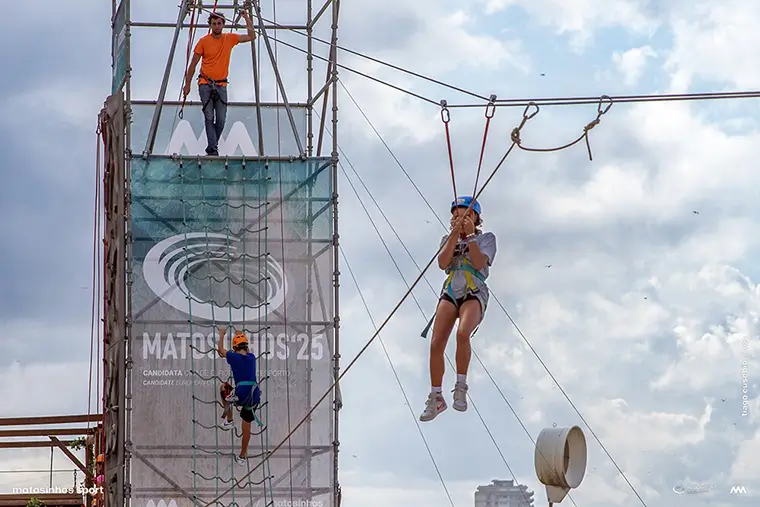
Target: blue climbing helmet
x: 464, y: 202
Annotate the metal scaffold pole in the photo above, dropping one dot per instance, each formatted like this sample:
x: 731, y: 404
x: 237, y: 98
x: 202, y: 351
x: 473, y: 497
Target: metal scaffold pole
x: 206, y: 211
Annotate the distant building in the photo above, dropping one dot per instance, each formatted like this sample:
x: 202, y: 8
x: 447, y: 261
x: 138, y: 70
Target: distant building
x: 503, y: 494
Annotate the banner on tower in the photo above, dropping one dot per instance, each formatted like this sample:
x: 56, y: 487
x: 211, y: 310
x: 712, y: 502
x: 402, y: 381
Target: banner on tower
x: 237, y: 245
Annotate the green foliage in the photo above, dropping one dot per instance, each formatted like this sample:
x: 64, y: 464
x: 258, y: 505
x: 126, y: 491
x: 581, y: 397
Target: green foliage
x: 78, y: 443
x: 81, y: 443
x: 35, y: 502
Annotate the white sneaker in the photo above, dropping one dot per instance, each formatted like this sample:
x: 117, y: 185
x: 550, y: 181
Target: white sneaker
x: 240, y: 461
x: 434, y: 405
x: 227, y: 425
x: 460, y: 396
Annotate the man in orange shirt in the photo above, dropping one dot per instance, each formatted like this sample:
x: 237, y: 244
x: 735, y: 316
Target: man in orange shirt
x: 215, y: 49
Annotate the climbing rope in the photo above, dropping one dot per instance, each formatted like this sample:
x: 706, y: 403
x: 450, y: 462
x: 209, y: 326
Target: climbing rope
x: 214, y: 326
x: 446, y: 118
x: 600, y: 111
x: 95, y: 309
x: 406, y: 283
x: 489, y: 114
x: 190, y: 41
x: 202, y: 206
x: 106, y: 156
x: 96, y: 242
x: 382, y: 326
x: 395, y: 374
x: 282, y: 250
x: 490, y: 111
x: 435, y: 292
x: 403, y: 278
x: 549, y: 101
x: 183, y: 201
x: 263, y: 197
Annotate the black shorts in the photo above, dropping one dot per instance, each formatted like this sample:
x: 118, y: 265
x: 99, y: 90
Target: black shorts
x: 246, y: 414
x: 460, y: 301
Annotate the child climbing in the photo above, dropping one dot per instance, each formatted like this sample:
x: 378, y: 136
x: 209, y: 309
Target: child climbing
x: 247, y: 394
x: 466, y: 257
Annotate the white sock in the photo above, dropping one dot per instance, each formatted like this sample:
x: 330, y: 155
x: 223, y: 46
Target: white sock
x: 462, y: 378
x: 438, y: 390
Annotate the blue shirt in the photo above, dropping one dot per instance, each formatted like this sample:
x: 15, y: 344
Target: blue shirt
x: 243, y: 368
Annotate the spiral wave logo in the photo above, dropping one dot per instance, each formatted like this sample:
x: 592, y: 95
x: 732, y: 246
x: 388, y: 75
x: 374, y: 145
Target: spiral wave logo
x: 206, y: 275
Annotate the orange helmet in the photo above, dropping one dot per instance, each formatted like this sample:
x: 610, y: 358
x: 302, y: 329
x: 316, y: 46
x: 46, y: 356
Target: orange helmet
x: 239, y: 340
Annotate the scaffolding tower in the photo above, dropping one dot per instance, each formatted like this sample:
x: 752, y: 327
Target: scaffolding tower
x: 159, y: 187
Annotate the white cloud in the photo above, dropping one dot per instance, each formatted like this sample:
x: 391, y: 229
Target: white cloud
x: 746, y: 468
x: 631, y: 63
x: 705, y: 32
x: 582, y: 18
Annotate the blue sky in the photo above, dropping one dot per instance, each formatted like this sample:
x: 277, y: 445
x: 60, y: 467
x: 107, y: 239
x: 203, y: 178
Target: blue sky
x: 640, y: 318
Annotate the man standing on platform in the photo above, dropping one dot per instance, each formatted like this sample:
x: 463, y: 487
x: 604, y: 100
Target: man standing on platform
x: 214, y: 51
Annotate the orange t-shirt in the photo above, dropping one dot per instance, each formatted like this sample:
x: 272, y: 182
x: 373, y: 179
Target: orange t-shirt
x: 215, y: 53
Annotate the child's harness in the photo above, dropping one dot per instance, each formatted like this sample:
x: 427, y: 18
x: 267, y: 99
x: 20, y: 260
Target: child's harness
x: 469, y: 272
x: 249, y: 402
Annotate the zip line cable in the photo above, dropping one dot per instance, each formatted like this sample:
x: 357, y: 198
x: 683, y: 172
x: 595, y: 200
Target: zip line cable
x: 383, y: 63
x: 96, y: 244
x: 393, y: 155
x: 395, y: 374
x: 546, y: 101
x: 515, y: 141
x: 403, y: 245
x: 524, y: 102
x: 522, y: 335
x: 282, y: 251
x: 403, y: 278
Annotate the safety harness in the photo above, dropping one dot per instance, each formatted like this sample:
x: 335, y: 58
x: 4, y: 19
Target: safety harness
x: 214, y: 89
x: 469, y: 272
x: 462, y: 264
x: 253, y: 385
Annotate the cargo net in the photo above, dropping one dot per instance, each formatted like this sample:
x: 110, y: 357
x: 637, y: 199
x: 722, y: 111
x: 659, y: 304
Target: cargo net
x: 222, y: 268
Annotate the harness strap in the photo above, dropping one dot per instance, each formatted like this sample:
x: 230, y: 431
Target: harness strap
x: 469, y: 272
x: 214, y: 92
x: 211, y: 81
x: 252, y: 407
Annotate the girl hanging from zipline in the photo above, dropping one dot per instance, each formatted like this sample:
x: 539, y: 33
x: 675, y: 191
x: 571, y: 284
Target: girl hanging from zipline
x: 466, y: 257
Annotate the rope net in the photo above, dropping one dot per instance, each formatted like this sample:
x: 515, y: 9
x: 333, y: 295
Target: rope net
x: 212, y: 238
x: 236, y: 278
